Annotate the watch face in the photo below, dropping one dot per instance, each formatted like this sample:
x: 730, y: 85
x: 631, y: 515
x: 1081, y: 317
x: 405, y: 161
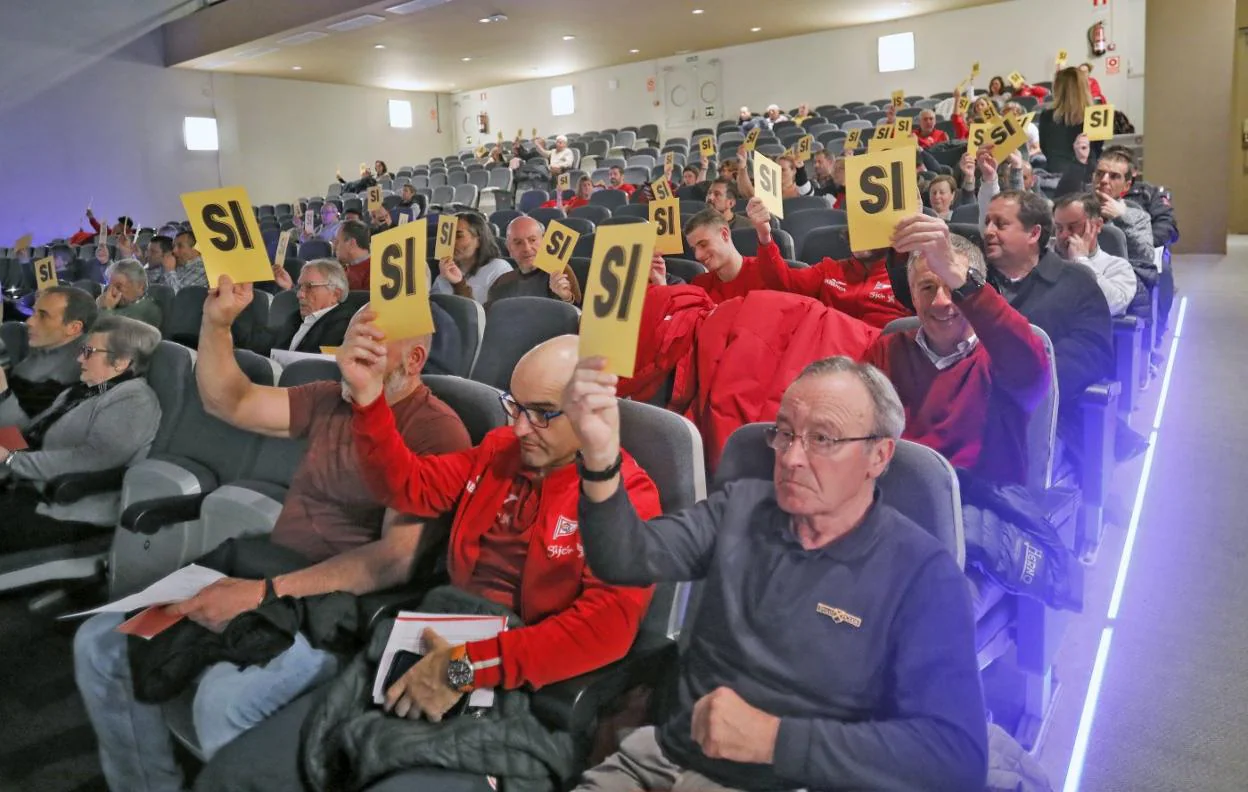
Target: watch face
x: 459, y: 673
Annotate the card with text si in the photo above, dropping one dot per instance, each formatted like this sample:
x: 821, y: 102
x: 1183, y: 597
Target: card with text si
x: 444, y: 241
x: 881, y: 188
x: 852, y: 139
x: 669, y: 160
x: 978, y: 136
x: 706, y: 145
x: 899, y: 99
x: 665, y: 214
x: 45, y: 273
x: 804, y: 148
x: 1006, y: 136
x: 889, y: 143
x: 767, y: 184
x: 964, y: 104
x: 228, y: 235
x: 661, y: 189
x: 565, y: 182
x: 1016, y: 80
x: 903, y: 126
x: 399, y: 281
x: 22, y: 243
x: 882, y: 132
x: 991, y: 113
x: 309, y: 222
x: 1098, y: 122
x: 1060, y: 62
x: 557, y: 247
x: 751, y: 138
x: 616, y: 293
x: 374, y: 198
x: 283, y: 243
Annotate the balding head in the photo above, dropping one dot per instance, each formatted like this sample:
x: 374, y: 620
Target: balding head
x: 524, y: 240
x: 537, y: 385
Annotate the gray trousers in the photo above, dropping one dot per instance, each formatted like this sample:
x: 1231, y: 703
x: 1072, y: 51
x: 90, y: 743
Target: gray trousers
x: 640, y: 764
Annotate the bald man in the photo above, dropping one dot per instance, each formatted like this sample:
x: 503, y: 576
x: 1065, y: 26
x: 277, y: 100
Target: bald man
x: 524, y: 242
x: 350, y: 540
x: 514, y: 542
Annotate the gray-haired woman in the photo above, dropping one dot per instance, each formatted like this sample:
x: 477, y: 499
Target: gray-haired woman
x: 108, y: 419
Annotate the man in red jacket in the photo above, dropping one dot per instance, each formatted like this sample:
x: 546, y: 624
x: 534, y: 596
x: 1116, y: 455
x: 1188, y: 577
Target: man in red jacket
x: 728, y: 273
x: 972, y: 373
x: 514, y: 538
x: 615, y: 181
x: 926, y: 132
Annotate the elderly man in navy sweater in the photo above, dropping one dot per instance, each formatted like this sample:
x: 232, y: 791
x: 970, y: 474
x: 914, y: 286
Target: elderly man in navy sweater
x: 834, y: 644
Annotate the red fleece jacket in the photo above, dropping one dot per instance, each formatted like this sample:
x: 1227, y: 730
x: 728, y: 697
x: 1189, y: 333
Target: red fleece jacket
x: 861, y: 289
x: 757, y: 272
x: 575, y: 622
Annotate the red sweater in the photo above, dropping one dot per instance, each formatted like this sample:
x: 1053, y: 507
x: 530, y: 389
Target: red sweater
x: 571, y: 203
x: 937, y: 136
x: 976, y: 411
x: 862, y: 290
x: 358, y: 275
x: 960, y: 129
x: 576, y: 623
x: 757, y: 272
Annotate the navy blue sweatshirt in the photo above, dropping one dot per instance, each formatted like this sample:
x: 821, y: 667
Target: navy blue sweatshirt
x: 864, y: 648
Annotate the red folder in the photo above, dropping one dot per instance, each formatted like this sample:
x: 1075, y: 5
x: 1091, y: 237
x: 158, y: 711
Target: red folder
x: 11, y: 438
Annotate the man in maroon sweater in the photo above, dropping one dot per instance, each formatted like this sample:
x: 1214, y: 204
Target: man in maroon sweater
x: 972, y: 373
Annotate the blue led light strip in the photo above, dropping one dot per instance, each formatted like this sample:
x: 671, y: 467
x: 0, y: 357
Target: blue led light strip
x: 1079, y: 754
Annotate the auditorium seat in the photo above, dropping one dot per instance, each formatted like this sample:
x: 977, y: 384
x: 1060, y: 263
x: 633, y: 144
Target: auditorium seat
x: 611, y: 199
x: 801, y: 223
x: 531, y: 200
x: 513, y: 327
x: 633, y: 210
x: 584, y: 246
x: 469, y: 318
x: 967, y: 213
x: 544, y: 215
x: 683, y: 268
x: 746, y: 242
x: 15, y: 337
x: 187, y: 314
x: 315, y: 249
x: 580, y: 225
x: 596, y: 214
x: 503, y: 217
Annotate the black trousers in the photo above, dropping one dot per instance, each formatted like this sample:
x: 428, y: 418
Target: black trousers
x: 268, y: 758
x: 22, y: 528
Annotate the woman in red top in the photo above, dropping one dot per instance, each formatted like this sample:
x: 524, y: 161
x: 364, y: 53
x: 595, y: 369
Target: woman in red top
x: 1094, y: 87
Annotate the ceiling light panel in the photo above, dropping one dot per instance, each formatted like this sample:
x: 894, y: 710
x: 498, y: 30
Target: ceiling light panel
x: 414, y: 6
x: 302, y: 38
x: 355, y: 23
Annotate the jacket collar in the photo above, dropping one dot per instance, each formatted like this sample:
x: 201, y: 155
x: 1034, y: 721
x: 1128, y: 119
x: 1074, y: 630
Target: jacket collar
x: 1048, y: 269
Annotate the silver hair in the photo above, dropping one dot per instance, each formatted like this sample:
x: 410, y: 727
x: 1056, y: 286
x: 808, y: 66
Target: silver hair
x: 334, y: 273
x: 889, y: 416
x: 131, y: 270
x: 963, y: 248
x: 128, y: 338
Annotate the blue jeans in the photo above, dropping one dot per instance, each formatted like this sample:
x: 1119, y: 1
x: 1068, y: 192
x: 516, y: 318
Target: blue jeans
x: 136, y: 749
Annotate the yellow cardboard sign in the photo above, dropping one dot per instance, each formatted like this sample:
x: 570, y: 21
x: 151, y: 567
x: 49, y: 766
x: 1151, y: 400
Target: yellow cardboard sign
x: 852, y: 139
x: 45, y: 273
x: 1006, y: 136
x: 228, y: 236
x: 889, y: 143
x: 444, y: 242
x: 565, y: 182
x: 283, y: 243
x: 399, y: 289
x: 978, y: 136
x: 899, y: 99
x: 374, y: 198
x: 309, y: 222
x: 1060, y: 62
x: 767, y: 185
x: 520, y: 133
x: 557, y: 247
x: 535, y: 133
x: 1098, y: 122
x: 974, y: 70
x: 881, y: 188
x: 882, y: 132
x: 616, y: 293
x: 964, y: 104
x: 706, y: 145
x: 665, y: 215
x: 22, y: 243
x: 405, y: 217
x: 500, y: 136
x: 751, y: 139
x: 1016, y: 80
x: 804, y: 148
x: 669, y: 160
x: 480, y: 152
x: 991, y: 113
x: 329, y: 350
x: 902, y: 126
x: 661, y: 189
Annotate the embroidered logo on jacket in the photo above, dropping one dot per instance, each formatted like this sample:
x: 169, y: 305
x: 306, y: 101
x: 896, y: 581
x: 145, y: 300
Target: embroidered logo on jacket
x: 564, y: 527
x: 471, y: 486
x: 839, y: 285
x: 839, y: 616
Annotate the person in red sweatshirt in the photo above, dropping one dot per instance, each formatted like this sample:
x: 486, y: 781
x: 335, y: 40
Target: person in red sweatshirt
x: 728, y: 273
x: 615, y: 181
x: 351, y: 246
x: 584, y: 189
x: 973, y: 372
x: 514, y: 536
x: 926, y: 132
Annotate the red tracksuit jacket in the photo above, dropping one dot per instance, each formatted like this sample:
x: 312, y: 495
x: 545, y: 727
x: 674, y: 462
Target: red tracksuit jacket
x: 576, y: 623
x: 861, y: 289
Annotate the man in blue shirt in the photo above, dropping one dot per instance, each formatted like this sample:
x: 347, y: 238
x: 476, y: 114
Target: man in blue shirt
x: 834, y: 644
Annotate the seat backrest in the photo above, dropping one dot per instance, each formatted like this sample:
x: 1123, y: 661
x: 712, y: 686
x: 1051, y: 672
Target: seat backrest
x: 830, y: 242
x: 513, y: 327
x: 800, y: 222
x: 684, y: 269
x: 466, y: 194
x: 530, y: 200
x: 746, y: 242
x: 315, y: 249
x: 580, y: 225
x: 580, y: 268
x: 186, y: 314
x: 16, y: 339
x: 169, y: 372
x: 469, y: 317
x: 503, y: 217
x: 285, y: 305
x: 669, y: 448
x: 622, y: 220
x: 545, y: 215
x: 476, y: 404
x: 584, y: 246
x: 967, y: 213
x: 593, y: 213
x: 1113, y: 241
x: 919, y: 483
x: 632, y: 210
x: 612, y: 199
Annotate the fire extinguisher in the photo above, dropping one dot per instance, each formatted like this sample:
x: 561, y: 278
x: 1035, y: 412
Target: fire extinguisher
x: 483, y: 122
x: 1097, y: 39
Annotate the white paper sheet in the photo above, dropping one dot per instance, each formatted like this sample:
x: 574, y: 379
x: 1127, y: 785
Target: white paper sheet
x: 176, y: 587
x: 285, y: 357
x: 456, y: 629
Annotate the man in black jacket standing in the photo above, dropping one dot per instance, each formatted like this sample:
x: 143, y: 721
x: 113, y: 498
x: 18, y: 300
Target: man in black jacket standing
x: 1060, y: 298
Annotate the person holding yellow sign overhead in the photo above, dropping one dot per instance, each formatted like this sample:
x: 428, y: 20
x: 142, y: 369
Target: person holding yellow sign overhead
x: 1062, y: 123
x: 476, y: 262
x: 793, y: 179
x: 728, y: 273
x: 561, y: 157
x: 524, y: 242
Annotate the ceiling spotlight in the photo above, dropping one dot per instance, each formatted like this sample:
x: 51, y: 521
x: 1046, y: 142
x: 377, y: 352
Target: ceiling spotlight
x: 465, y: 60
x: 493, y: 18
x: 379, y: 46
x: 755, y: 30
x: 633, y: 52
x: 296, y: 68
x: 697, y: 11
x: 484, y: 20
x: 569, y: 38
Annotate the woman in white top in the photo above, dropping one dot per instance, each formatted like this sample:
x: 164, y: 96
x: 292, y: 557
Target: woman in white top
x: 476, y: 264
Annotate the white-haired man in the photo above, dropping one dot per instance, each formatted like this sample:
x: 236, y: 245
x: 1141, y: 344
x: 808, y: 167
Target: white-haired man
x: 561, y: 157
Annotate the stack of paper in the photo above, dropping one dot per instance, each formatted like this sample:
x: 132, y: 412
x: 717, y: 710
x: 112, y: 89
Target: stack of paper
x: 455, y: 629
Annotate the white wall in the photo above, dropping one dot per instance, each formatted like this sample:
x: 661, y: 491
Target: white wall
x: 838, y: 66
x: 112, y: 134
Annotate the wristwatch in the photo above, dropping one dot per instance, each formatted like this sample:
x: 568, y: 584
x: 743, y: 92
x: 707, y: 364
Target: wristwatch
x: 598, y: 475
x: 459, y: 671
x: 974, y: 282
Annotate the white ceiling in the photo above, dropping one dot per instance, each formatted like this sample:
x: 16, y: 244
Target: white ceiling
x: 442, y: 46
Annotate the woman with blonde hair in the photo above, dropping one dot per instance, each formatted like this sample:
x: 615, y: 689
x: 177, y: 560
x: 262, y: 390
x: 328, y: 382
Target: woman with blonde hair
x: 1061, y: 124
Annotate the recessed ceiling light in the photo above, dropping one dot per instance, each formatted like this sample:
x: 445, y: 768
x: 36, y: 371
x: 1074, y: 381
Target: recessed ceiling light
x: 697, y: 11
x: 484, y: 20
x: 633, y: 52
x: 755, y: 30
x: 465, y: 60
x: 379, y: 46
x: 296, y: 68
x: 569, y: 38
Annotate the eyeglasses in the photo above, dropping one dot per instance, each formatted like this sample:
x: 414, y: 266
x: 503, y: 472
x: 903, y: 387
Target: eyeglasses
x: 540, y: 419
x: 1103, y: 174
x: 307, y: 287
x: 813, y: 443
x: 88, y: 351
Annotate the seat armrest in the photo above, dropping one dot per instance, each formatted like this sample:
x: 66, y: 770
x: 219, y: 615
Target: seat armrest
x: 1128, y: 334
x: 574, y: 705
x: 149, y: 517
x: 73, y: 487
x: 383, y: 604
x: 1099, y: 407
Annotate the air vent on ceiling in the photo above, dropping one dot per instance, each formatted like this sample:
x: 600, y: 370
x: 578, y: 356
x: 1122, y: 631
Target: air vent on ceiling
x: 302, y: 38
x: 355, y: 23
x: 254, y: 53
x: 413, y: 6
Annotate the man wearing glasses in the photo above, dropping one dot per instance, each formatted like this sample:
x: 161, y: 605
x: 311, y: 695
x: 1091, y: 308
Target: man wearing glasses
x: 323, y: 315
x: 833, y: 647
